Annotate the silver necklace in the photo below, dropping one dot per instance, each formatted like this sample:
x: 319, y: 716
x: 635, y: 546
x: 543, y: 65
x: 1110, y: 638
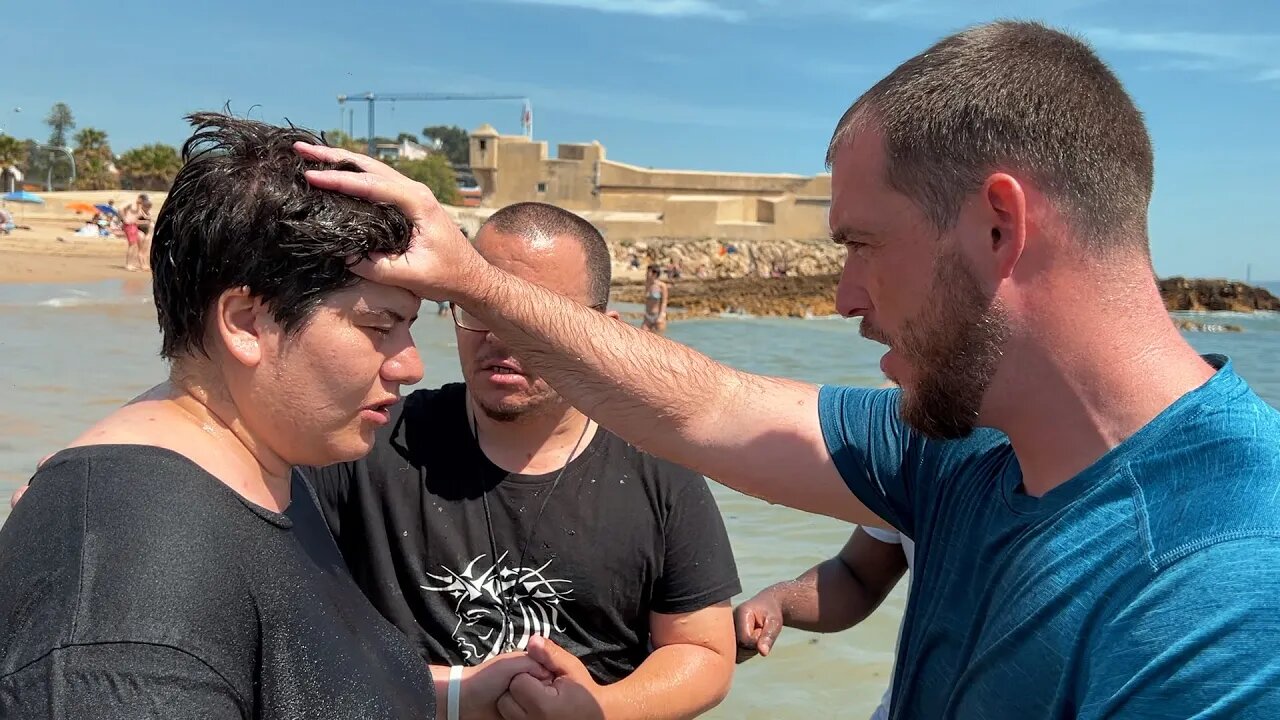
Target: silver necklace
x: 506, y: 640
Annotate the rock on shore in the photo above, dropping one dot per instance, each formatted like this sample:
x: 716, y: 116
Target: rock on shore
x: 1183, y: 294
x: 814, y: 295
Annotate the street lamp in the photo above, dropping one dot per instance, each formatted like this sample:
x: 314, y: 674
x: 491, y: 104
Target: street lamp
x: 48, y: 183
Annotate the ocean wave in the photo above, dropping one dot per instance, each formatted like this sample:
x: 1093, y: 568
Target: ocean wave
x: 1269, y: 315
x: 78, y: 301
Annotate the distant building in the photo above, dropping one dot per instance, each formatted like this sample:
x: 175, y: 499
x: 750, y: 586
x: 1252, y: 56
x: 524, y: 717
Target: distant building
x: 10, y: 179
x: 470, y: 190
x: 404, y: 150
x: 627, y: 201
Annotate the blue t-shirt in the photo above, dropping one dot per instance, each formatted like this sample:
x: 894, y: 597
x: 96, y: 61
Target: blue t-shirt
x: 1148, y: 586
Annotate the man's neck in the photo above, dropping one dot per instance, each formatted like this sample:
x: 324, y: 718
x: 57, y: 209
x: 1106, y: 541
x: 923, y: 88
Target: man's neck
x: 1088, y: 381
x: 535, y: 443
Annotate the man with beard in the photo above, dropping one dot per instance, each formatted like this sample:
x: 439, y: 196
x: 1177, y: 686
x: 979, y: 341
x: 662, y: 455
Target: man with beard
x: 491, y: 513
x: 1095, y: 506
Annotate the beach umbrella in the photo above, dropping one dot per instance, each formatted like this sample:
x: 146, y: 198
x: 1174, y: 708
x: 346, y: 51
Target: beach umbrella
x: 106, y: 209
x: 24, y: 197
x: 81, y: 206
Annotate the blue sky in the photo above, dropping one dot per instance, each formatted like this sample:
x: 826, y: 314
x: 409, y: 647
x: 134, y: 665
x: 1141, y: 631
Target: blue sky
x: 750, y: 85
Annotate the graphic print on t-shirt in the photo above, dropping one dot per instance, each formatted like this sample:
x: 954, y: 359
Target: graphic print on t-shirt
x: 486, y: 628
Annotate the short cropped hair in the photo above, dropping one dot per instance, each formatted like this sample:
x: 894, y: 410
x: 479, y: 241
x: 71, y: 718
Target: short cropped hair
x: 1017, y: 97
x: 241, y: 214
x: 526, y: 219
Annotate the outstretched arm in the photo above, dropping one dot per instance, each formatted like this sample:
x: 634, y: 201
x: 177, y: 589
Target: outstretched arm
x: 758, y: 435
x: 832, y: 596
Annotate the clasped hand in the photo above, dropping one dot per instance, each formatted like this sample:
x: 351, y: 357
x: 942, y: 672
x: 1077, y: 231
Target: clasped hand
x: 546, y: 682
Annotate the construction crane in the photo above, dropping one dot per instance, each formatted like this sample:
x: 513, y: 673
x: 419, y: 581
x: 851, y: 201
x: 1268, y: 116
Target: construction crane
x: 374, y: 98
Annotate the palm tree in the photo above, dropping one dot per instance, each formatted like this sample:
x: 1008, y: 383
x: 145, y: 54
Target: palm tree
x: 91, y: 139
x: 94, y: 161
x: 12, y: 151
x: 150, y: 167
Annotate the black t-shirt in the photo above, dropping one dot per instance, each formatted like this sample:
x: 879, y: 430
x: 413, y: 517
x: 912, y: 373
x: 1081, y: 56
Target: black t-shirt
x: 623, y: 534
x: 136, y: 585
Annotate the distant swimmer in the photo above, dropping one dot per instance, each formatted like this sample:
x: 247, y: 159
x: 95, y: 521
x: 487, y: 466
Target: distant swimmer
x: 655, y: 301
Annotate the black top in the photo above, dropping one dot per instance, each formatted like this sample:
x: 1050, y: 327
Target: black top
x: 137, y: 585
x: 623, y: 534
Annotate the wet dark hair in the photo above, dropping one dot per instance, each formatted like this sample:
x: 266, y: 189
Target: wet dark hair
x: 241, y: 214
x: 525, y: 219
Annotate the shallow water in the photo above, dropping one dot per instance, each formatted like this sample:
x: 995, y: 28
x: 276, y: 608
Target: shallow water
x: 71, y: 353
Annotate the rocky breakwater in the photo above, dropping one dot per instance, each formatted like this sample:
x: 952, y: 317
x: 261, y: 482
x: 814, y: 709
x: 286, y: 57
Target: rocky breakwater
x: 721, y: 259
x: 1206, y: 295
x: 1182, y: 295
x: 809, y: 296
x: 801, y: 296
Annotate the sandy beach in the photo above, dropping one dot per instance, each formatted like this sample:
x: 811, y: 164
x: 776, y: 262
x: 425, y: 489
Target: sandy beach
x: 45, y: 249
x: 30, y: 259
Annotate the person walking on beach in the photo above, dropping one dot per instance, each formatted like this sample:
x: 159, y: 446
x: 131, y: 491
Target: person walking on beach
x: 655, y: 301
x: 491, y: 512
x: 130, y: 217
x: 1095, y: 505
x: 151, y: 570
x: 144, y: 232
x: 832, y: 596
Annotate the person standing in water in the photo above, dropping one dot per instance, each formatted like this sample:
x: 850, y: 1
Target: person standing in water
x: 655, y: 301
x: 1095, y: 504
x: 151, y: 569
x: 492, y: 515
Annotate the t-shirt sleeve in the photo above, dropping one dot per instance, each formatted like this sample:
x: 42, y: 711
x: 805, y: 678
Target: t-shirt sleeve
x: 698, y: 569
x: 119, y: 681
x: 1198, y: 641
x: 888, y: 537
x: 332, y: 485
x: 869, y: 445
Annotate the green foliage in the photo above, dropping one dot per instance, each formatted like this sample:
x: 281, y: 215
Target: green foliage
x: 93, y: 161
x: 12, y: 151
x: 340, y: 139
x: 436, y: 173
x: 46, y: 166
x: 454, y: 140
x: 59, y: 121
x: 150, y: 167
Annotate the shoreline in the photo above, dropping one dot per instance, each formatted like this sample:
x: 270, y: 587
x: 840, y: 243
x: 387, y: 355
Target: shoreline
x: 50, y: 253
x: 47, y: 250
